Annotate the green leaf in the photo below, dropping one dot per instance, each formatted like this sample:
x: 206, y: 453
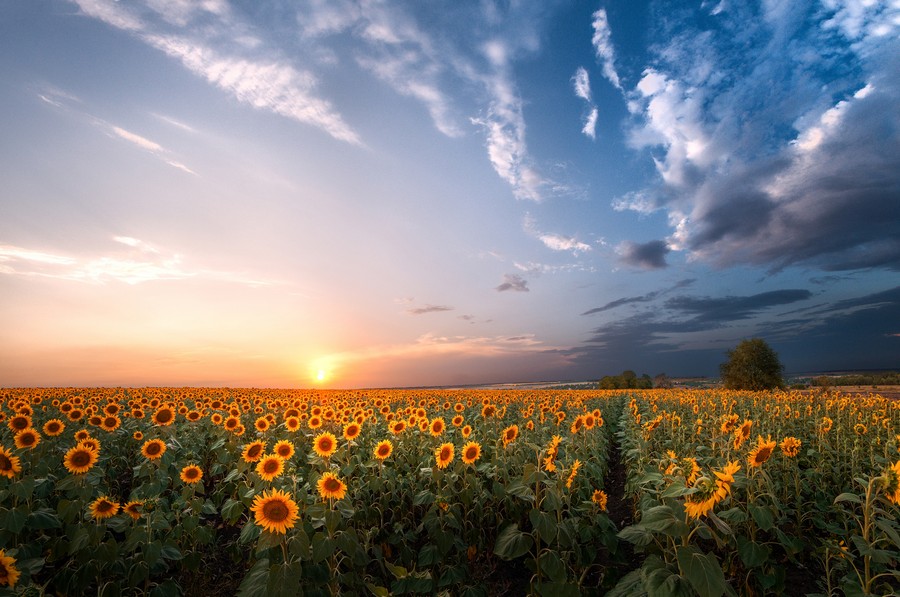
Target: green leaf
x: 152, y: 552
x: 249, y: 533
x: 558, y: 589
x: 255, y: 584
x: 378, y: 591
x: 322, y: 548
x: 428, y: 556
x: 512, y: 543
x: 848, y: 497
x: 15, y: 521
x: 636, y: 535
x: 518, y: 489
x: 167, y: 588
x: 702, y: 571
x: 630, y: 585
x: 763, y: 517
x: 553, y: 567
x: 43, y: 518
x: 171, y: 552
x: 398, y: 571
x: 752, y: 554
x: 544, y: 523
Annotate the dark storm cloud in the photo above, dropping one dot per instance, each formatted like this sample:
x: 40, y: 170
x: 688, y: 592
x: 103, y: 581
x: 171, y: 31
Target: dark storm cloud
x: 650, y: 255
x: 513, y: 282
x: 428, y: 309
x: 646, y: 298
x: 732, y: 308
x: 791, y: 158
x: 860, y: 332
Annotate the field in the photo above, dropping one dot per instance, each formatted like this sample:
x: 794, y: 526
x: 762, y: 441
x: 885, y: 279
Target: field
x: 171, y: 491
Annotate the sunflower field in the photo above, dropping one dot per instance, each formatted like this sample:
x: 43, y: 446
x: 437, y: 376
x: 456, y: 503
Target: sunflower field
x: 184, y: 491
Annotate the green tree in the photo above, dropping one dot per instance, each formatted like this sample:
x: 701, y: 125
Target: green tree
x: 752, y: 365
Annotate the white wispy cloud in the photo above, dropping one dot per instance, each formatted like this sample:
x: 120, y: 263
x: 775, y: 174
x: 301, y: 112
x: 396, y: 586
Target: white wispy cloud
x: 582, y: 85
x: 266, y: 84
x: 556, y: 242
x: 139, y: 263
x: 603, y: 46
x: 151, y: 146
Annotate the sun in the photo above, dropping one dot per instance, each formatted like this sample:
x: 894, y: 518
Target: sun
x: 321, y: 374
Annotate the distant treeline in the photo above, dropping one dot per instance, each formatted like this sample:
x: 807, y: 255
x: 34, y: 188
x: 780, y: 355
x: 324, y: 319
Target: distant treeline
x: 886, y: 378
x: 628, y: 380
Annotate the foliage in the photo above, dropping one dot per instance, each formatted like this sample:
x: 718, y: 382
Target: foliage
x: 627, y: 380
x: 728, y: 490
x: 752, y: 365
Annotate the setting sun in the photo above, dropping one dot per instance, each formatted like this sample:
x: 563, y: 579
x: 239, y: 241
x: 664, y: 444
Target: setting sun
x: 320, y: 375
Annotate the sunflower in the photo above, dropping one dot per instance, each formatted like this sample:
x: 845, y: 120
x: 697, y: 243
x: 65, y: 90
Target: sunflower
x: 153, y: 449
x: 18, y: 423
x: 138, y: 435
x: 891, y: 483
x: 253, y: 451
x: 80, y: 459
x: 759, y: 454
x: 216, y: 418
x: 292, y: 423
x: 231, y: 423
x: 269, y: 467
x: 790, y: 446
x: 457, y: 420
x: 397, y: 427
x: 331, y: 487
x: 9, y: 574
x: 163, y: 416
x: 134, y: 509
x: 9, y: 464
x: 860, y: 429
x: 437, y: 426
x: 384, y: 449
x: 600, y: 498
x: 27, y: 438
x: 91, y: 443
x: 352, y: 431
x: 284, y: 449
x: 53, y: 427
x: 577, y: 424
x: 261, y: 424
x: 325, y: 444
x: 466, y: 431
x: 444, y: 455
x: 191, y: 474
x: 275, y: 511
x: 509, y: 434
x: 110, y: 423
x: 573, y: 473
x: 471, y: 452
x: 314, y: 422
x: 103, y: 507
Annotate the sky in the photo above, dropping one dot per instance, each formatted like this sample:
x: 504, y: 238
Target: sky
x: 372, y: 193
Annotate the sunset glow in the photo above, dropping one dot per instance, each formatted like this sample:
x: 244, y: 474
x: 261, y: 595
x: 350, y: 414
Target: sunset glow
x: 347, y: 194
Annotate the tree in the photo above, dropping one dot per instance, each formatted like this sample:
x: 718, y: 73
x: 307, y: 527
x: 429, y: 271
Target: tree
x: 752, y: 365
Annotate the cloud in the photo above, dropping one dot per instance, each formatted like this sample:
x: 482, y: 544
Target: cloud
x: 148, y: 145
x: 428, y: 309
x: 690, y: 335
x: 603, y: 47
x: 556, y: 242
x: 733, y: 308
x: 269, y: 84
x: 646, y: 298
x: 787, y: 156
x: 138, y: 264
x: 582, y: 85
x: 513, y: 282
x: 649, y: 255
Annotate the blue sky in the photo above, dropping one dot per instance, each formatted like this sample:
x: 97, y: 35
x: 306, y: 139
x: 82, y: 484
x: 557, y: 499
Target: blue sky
x: 364, y: 193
